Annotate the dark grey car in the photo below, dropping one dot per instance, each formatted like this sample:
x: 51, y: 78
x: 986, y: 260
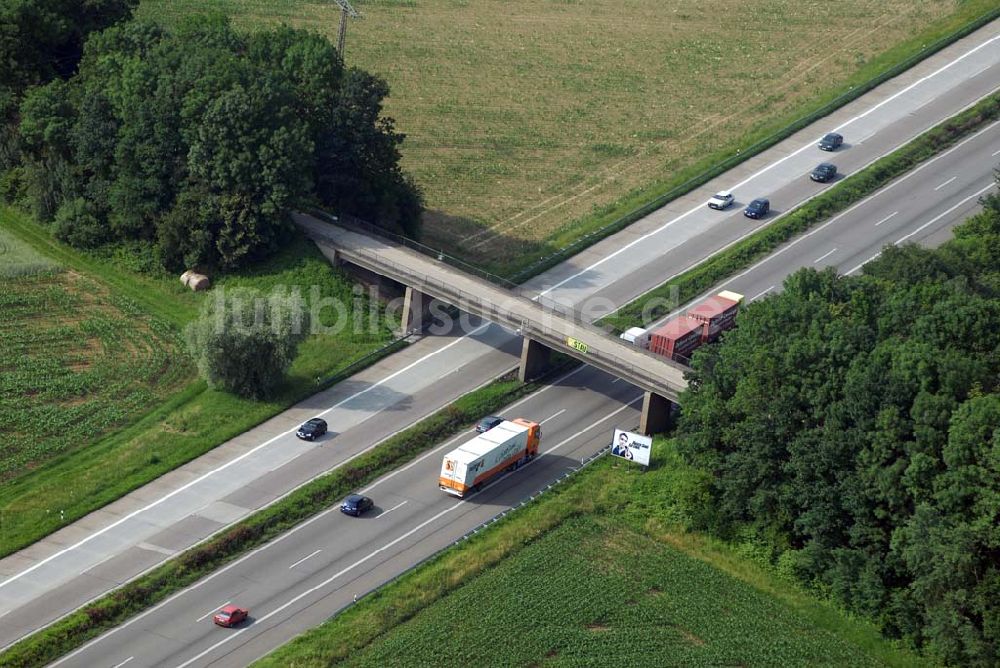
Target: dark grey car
x: 824, y: 172
x: 831, y: 141
x: 312, y: 429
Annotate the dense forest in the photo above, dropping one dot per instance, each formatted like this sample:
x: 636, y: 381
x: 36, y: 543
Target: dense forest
x: 196, y: 143
x: 853, y: 425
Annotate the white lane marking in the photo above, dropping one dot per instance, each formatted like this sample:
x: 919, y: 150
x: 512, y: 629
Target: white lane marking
x: 865, y: 138
x: 807, y: 147
x: 438, y: 449
x: 386, y: 512
x: 946, y: 183
x: 303, y: 559
x: 933, y: 220
x: 213, y: 611
x: 994, y: 154
x: 393, y: 542
x: 759, y: 295
x: 615, y: 381
x: 824, y: 256
x: 553, y: 416
x: 119, y: 665
x: 916, y: 231
x: 822, y: 227
x: 863, y: 263
x: 980, y: 71
x: 214, y: 471
x: 556, y: 383
x: 886, y: 218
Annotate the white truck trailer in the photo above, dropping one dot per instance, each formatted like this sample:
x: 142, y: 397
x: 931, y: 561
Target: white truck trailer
x: 505, y: 447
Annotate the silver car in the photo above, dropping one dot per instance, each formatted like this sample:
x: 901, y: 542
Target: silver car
x: 721, y: 200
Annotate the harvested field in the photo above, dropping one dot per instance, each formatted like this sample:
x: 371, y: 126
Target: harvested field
x: 532, y: 123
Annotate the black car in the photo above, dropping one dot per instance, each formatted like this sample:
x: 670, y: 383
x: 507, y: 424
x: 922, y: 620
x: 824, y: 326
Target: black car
x: 757, y: 208
x: 312, y: 429
x: 356, y: 504
x: 488, y: 423
x: 831, y: 141
x: 825, y: 171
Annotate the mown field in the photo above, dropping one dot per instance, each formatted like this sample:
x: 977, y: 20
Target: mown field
x: 591, y: 592
x: 97, y: 393
x: 532, y: 123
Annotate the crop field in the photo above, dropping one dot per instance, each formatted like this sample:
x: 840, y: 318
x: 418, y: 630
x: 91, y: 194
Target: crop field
x: 593, y: 593
x: 532, y: 123
x: 77, y: 362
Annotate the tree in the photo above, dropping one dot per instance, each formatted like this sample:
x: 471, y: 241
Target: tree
x: 201, y: 141
x: 244, y: 343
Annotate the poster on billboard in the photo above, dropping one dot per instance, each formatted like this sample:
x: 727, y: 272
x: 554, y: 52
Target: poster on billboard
x: 633, y: 447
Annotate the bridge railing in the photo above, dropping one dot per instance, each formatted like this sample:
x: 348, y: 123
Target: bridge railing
x: 534, y: 328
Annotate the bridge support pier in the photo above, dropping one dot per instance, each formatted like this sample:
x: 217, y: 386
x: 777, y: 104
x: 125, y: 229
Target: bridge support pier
x: 416, y: 313
x: 535, y: 358
x: 657, y: 412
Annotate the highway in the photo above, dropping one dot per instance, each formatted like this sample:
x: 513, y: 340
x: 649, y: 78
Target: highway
x: 308, y: 575
x: 82, y: 561
x: 921, y: 207
x: 298, y: 581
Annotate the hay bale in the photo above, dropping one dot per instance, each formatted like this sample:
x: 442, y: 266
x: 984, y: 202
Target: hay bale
x: 195, y: 281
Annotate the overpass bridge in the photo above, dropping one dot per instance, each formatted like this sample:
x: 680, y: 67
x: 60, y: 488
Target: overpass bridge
x: 544, y: 326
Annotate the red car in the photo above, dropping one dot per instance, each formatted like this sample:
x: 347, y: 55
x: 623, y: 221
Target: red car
x: 230, y: 615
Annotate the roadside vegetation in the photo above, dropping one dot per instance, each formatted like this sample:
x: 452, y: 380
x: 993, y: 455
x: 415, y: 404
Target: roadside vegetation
x: 837, y: 453
x: 112, y: 609
x: 716, y: 269
x: 155, y: 151
x: 598, y: 570
x: 105, y: 397
x: 852, y: 426
x: 524, y: 142
x: 199, y: 142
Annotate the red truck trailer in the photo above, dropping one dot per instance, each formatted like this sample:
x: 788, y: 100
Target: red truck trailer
x: 677, y: 339
x: 717, y: 314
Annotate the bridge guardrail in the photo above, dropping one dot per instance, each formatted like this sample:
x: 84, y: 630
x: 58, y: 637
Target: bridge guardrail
x: 492, y: 310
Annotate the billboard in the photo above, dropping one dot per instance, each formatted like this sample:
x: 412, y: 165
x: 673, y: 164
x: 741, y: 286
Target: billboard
x: 633, y: 447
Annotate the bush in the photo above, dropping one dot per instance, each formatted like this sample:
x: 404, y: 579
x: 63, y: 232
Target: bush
x: 77, y: 224
x: 244, y: 343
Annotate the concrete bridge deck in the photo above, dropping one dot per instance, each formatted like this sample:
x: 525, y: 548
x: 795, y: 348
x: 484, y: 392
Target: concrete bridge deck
x: 552, y: 325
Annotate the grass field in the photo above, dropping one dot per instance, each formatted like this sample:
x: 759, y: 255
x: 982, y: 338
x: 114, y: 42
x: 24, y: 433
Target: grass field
x: 78, y: 361
x: 591, y: 593
x: 19, y: 259
x: 98, y: 395
x: 532, y: 123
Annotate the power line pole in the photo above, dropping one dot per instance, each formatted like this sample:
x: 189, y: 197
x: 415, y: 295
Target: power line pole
x: 345, y: 11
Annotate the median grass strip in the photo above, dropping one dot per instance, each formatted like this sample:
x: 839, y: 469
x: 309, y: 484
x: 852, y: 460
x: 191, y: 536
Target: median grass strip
x: 851, y: 190
x: 647, y: 593
x: 142, y: 593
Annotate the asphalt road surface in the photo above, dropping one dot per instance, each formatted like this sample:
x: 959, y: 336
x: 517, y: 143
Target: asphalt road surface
x: 80, y: 562
x: 311, y: 573
x: 298, y: 581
